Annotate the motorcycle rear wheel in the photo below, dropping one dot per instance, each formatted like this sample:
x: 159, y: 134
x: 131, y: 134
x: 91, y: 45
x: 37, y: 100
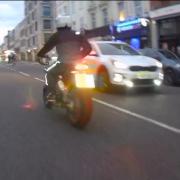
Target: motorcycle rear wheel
x: 81, y: 108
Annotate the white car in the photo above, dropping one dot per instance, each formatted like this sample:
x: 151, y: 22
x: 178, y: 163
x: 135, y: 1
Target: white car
x: 119, y: 64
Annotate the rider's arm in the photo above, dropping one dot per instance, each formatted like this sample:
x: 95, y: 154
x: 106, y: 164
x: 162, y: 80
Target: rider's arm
x: 86, y: 47
x: 51, y: 43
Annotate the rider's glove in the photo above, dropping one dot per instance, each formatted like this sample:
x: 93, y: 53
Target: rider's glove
x: 43, y: 60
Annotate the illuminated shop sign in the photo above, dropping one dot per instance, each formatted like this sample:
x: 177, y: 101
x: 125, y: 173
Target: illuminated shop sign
x: 131, y: 24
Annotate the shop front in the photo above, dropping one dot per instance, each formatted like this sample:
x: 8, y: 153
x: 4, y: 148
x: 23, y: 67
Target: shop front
x: 169, y: 33
x: 135, y: 32
x: 167, y: 30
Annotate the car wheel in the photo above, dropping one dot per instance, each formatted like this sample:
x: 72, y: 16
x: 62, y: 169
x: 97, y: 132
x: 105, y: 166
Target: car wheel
x: 169, y: 77
x: 103, y: 83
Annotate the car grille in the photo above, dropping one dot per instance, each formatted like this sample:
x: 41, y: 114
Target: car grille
x: 143, y: 81
x: 142, y: 68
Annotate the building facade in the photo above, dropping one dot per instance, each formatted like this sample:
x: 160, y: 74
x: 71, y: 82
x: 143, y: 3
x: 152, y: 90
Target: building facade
x: 39, y: 26
x: 93, y: 14
x: 33, y: 31
x: 5, y: 43
x: 165, y: 17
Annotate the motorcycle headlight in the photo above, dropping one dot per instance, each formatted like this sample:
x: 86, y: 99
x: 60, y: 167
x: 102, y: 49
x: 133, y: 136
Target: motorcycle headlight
x: 119, y: 65
x: 159, y: 65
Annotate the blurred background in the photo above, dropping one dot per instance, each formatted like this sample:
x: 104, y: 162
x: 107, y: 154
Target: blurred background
x: 140, y: 23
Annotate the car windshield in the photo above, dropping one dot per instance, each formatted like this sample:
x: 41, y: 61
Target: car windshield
x: 169, y: 55
x: 116, y: 49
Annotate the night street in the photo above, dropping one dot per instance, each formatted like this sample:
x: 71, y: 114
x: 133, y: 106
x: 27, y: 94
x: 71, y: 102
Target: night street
x: 132, y: 136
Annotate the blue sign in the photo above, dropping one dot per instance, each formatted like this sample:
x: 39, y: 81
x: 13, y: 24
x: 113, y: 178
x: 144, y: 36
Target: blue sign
x: 129, y: 25
x: 135, y: 42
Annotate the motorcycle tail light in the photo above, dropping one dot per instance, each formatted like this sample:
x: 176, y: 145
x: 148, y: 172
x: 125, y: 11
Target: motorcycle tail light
x: 84, y: 81
x: 81, y: 67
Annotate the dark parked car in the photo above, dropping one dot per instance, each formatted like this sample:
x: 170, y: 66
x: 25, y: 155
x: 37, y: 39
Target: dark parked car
x: 171, y: 63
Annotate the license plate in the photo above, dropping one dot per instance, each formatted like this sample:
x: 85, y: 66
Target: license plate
x: 143, y: 75
x: 84, y: 81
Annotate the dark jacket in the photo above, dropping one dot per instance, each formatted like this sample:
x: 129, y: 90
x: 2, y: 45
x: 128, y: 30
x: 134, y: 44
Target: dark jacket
x: 69, y: 46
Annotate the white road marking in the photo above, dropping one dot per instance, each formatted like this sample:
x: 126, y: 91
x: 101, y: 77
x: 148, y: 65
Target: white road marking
x: 35, y: 63
x: 12, y: 69
x: 144, y: 118
x: 39, y: 79
x: 25, y: 74
x: 7, y: 67
x: 152, y: 121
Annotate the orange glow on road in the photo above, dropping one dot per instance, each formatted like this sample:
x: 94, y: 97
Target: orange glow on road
x: 31, y: 105
x: 30, y: 102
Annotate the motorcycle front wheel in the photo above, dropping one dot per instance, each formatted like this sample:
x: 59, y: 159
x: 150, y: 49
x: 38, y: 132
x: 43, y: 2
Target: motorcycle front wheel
x: 80, y: 106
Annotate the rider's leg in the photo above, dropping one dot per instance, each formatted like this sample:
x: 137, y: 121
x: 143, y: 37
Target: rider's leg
x: 52, y: 76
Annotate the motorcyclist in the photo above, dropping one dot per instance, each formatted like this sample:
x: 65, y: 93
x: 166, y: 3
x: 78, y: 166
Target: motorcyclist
x: 70, y: 47
x: 11, y: 57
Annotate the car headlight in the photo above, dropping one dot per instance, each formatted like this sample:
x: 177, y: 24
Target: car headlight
x: 159, y: 65
x: 119, y: 65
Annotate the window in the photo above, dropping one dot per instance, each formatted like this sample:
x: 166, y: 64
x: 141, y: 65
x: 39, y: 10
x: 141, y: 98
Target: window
x: 25, y: 32
x: 92, y: 3
x: 33, y: 15
x: 81, y: 21
x: 22, y: 43
x: 73, y: 7
x: 28, y: 20
x: 22, y: 32
x: 30, y: 6
x: 138, y: 8
x: 30, y: 29
x: 139, y: 11
x: 168, y: 26
x: 29, y: 44
x: 105, y: 16
x: 36, y: 26
x: 65, y: 10
x: 81, y: 5
x: 33, y: 40
x: 46, y: 11
x: 25, y: 11
x: 47, y: 24
x: 120, y: 6
x: 46, y: 2
x: 47, y: 36
x: 93, y: 20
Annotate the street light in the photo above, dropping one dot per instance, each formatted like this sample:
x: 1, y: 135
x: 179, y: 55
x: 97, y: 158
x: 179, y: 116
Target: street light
x: 122, y: 16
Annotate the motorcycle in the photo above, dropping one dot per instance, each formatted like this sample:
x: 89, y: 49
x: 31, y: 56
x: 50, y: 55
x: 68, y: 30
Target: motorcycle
x: 75, y: 95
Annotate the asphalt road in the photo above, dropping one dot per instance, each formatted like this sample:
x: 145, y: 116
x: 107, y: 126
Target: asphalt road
x: 132, y: 136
